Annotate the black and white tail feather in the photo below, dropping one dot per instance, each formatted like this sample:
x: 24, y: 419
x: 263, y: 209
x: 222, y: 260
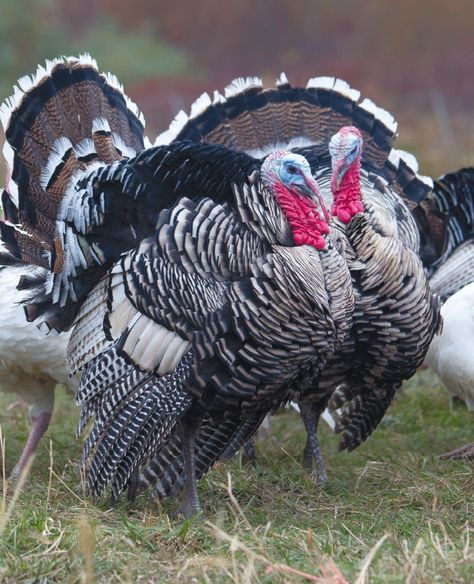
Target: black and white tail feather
x: 63, y: 127
x: 136, y: 413
x: 446, y: 221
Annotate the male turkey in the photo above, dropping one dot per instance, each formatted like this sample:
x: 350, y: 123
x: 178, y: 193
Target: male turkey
x: 31, y: 365
x: 371, y: 188
x: 204, y: 310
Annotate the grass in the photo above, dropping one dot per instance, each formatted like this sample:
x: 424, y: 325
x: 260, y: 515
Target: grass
x: 391, y: 511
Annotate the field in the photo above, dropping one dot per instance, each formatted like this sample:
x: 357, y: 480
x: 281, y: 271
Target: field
x: 390, y: 512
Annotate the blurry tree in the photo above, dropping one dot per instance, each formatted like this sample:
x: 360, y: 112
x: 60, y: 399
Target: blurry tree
x: 402, y: 46
x: 28, y: 32
x: 33, y: 30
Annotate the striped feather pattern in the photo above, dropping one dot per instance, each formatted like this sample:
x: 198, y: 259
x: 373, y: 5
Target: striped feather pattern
x: 455, y: 272
x: 446, y: 221
x: 125, y: 430
x: 165, y: 470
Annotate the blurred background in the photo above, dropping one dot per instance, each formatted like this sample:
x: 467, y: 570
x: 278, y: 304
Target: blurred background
x: 413, y: 58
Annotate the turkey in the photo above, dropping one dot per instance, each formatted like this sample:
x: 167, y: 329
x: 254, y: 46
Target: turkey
x: 199, y: 280
x: 450, y: 353
x: 371, y: 189
x: 31, y: 364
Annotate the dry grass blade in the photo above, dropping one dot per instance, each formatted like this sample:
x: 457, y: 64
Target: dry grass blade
x: 363, y: 577
x: 86, y: 544
x: 8, y: 508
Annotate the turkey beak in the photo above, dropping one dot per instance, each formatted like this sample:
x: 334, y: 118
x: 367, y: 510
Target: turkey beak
x: 338, y: 174
x: 310, y: 188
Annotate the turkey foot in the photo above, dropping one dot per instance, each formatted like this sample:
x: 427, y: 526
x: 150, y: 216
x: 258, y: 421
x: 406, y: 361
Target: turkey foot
x: 459, y: 453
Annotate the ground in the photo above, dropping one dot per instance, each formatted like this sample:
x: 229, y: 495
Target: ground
x: 390, y: 512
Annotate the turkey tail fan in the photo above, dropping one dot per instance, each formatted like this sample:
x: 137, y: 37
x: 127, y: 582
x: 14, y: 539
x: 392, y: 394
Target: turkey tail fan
x: 446, y: 217
x: 60, y: 126
x: 65, y: 121
x: 257, y: 120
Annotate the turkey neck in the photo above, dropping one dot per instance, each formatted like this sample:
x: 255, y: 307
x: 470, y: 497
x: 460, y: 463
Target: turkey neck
x: 303, y: 216
x: 347, y: 198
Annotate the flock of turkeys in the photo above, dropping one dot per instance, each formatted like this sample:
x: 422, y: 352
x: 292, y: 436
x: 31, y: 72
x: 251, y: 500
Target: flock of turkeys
x: 271, y: 247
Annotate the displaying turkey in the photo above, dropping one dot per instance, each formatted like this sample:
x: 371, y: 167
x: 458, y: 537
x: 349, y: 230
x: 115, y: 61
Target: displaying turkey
x: 31, y: 365
x: 371, y: 189
x: 203, y: 311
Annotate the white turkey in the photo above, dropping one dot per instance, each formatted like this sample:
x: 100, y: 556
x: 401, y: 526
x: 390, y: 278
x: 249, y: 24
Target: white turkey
x: 204, y: 311
x: 31, y: 364
x: 450, y: 353
x: 371, y: 189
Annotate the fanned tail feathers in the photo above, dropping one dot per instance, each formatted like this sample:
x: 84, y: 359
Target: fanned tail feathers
x: 258, y: 120
x: 61, y: 126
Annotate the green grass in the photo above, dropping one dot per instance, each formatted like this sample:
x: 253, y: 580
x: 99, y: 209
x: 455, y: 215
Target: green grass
x: 392, y: 494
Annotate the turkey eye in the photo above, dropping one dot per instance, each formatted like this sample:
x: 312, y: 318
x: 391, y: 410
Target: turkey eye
x: 292, y: 169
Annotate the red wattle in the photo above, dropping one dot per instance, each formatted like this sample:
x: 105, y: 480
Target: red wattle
x: 303, y: 216
x: 347, y: 202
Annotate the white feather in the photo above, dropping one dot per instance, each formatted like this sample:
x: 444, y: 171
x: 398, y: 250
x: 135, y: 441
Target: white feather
x: 379, y: 113
x: 174, y: 129
x: 30, y: 363
x: 120, y: 145
x: 113, y: 81
x: 100, y: 125
x: 218, y: 97
x: 282, y: 80
x: 396, y: 155
x: 345, y: 89
x: 200, y: 105
x: 56, y: 153
x: 242, y: 84
x: 450, y: 352
x: 321, y: 82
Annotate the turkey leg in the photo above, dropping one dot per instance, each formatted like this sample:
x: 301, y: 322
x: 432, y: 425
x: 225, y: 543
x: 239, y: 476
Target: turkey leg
x: 38, y: 428
x: 312, y: 452
x: 465, y: 452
